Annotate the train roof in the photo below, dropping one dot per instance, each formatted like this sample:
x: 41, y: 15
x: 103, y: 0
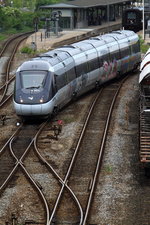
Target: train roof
x: 146, y: 59
x: 58, y: 55
x: 144, y: 73
x: 140, y: 8
x: 34, y: 65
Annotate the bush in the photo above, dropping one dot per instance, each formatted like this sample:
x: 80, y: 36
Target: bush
x: 27, y: 50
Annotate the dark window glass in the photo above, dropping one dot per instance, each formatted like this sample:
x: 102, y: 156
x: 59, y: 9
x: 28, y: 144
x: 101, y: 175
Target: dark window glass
x: 135, y: 48
x: 61, y: 80
x: 93, y: 64
x: 71, y: 74
x: 125, y: 51
x: 104, y: 58
x: 33, y: 79
x: 131, y: 15
x: 115, y: 55
x: 81, y: 69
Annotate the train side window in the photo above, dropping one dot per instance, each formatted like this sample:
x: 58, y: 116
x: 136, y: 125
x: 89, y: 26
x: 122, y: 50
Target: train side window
x: 71, y: 74
x: 104, y: 58
x: 93, y: 64
x: 81, y: 69
x: 125, y: 51
x: 61, y: 80
x: 115, y: 55
x: 114, y: 52
x: 135, y: 48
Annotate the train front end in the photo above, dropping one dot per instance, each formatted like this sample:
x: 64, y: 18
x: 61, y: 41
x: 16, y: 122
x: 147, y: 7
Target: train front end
x: 34, y: 89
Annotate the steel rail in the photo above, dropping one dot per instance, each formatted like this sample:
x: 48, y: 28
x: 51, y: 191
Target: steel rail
x: 8, y: 141
x: 12, y: 78
x: 75, y: 154
x: 9, y: 65
x: 10, y: 40
x: 101, y: 151
x: 19, y: 162
x: 64, y: 184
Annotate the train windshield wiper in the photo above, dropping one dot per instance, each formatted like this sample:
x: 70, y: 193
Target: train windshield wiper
x: 32, y: 87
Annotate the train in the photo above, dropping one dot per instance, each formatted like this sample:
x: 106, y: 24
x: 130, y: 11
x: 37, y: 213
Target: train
x: 46, y: 83
x: 132, y: 19
x: 144, y: 117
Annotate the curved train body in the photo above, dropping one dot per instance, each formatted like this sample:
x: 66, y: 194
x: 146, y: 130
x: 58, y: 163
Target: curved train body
x: 144, y: 83
x: 51, y: 80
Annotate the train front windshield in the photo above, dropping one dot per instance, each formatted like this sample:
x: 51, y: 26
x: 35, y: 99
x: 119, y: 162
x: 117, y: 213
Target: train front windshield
x: 131, y: 16
x: 33, y: 79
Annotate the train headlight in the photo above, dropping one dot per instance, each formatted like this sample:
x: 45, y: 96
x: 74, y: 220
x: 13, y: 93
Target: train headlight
x: 21, y: 100
x: 41, y: 100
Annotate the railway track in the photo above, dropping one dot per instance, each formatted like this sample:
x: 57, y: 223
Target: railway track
x: 70, y: 200
x: 7, y: 54
x: 82, y: 171
x: 14, y: 167
x: 63, y: 197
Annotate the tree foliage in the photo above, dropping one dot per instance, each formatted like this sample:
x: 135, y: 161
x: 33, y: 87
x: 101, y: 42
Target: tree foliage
x: 16, y: 14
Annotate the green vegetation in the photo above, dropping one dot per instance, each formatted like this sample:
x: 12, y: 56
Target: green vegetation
x: 144, y: 47
x: 108, y: 169
x: 19, y: 15
x: 27, y: 50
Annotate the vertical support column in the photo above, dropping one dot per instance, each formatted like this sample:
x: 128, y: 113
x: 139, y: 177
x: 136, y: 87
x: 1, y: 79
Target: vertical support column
x: 108, y: 16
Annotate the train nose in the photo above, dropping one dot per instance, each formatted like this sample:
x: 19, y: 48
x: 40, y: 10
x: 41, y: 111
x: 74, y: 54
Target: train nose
x: 30, y: 110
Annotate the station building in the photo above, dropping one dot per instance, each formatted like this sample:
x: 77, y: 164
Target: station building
x: 83, y: 13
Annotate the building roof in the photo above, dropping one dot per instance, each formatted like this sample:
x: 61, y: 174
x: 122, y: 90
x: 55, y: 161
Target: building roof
x: 84, y: 3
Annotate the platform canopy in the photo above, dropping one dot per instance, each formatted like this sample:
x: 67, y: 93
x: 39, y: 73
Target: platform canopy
x: 85, y: 3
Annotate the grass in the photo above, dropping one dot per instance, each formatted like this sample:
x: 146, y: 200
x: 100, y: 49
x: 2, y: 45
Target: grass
x: 7, y: 33
x: 144, y: 47
x: 108, y: 169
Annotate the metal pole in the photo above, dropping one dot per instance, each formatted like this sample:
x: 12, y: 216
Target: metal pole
x: 143, y: 20
x: 108, y: 15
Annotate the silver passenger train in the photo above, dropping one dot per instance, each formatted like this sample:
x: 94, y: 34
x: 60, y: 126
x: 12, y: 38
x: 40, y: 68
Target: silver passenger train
x: 48, y: 82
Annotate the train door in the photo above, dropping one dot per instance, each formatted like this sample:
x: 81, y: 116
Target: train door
x: 125, y: 54
x: 93, y: 67
x: 71, y: 77
x: 81, y: 69
x: 104, y: 63
x: 61, y: 85
x: 114, y: 59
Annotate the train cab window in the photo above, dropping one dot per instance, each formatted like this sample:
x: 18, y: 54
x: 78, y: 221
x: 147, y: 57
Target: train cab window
x: 33, y: 79
x: 131, y: 16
